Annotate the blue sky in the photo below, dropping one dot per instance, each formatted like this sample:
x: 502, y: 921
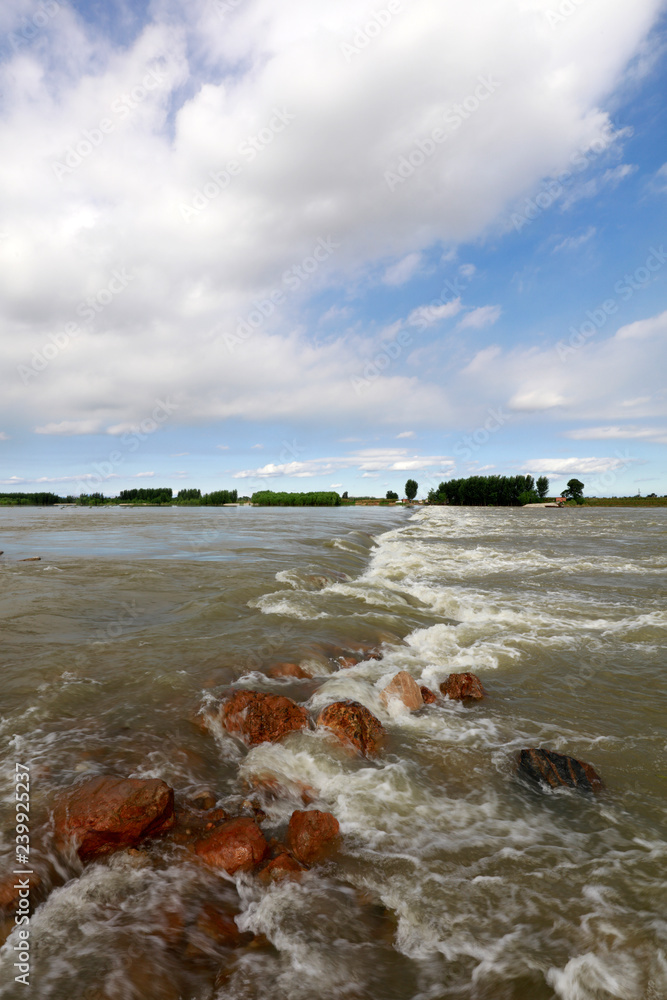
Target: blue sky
x: 332, y: 246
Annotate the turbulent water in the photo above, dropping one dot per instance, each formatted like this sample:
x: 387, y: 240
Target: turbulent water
x: 454, y: 881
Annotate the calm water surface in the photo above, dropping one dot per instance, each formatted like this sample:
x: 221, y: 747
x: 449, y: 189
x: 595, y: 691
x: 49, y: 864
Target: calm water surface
x: 454, y: 881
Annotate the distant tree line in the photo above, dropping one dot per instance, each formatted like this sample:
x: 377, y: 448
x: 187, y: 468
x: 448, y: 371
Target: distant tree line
x: 23, y: 499
x: 148, y: 495
x: 151, y: 494
x: 490, y: 491
x: 267, y: 498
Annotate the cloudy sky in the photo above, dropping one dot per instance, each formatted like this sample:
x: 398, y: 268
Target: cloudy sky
x: 329, y: 244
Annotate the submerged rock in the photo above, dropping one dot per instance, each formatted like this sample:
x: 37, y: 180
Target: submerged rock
x: 405, y: 688
x: 191, y: 824
x: 346, y: 662
x: 238, y: 845
x: 105, y: 814
x: 310, y: 834
x: 458, y: 687
x: 428, y: 697
x: 262, y: 718
x: 284, y: 865
x: 354, y: 724
x: 212, y: 930
x: 202, y: 800
x: 289, y: 670
x: 546, y: 767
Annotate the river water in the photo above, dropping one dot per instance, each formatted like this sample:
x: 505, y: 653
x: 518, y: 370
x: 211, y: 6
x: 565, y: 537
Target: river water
x: 454, y: 881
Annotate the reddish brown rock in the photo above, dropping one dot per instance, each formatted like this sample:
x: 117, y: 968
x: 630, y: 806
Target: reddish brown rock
x: 212, y: 930
x: 192, y: 824
x: 262, y: 718
x: 310, y: 834
x: 354, y: 724
x: 202, y: 800
x: 428, y: 696
x: 347, y: 661
x: 366, y: 650
x: 8, y: 894
x: 203, y: 719
x: 105, y: 814
x: 280, y: 867
x: 289, y: 670
x: 458, y: 687
x: 238, y: 845
x: 7, y: 924
x: 271, y: 790
x: 546, y: 767
x: 405, y: 688
x: 172, y: 926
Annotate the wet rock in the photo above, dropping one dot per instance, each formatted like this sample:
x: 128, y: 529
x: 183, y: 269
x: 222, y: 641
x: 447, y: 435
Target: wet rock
x: 106, y: 814
x: 428, y: 697
x: 172, y: 926
x: 249, y: 807
x: 262, y: 718
x: 192, y: 824
x: 238, y: 845
x: 405, y: 688
x: 310, y: 834
x: 366, y: 650
x: 353, y: 723
x: 284, y: 865
x: 212, y: 930
x: 345, y: 662
x: 203, y: 718
x: 289, y: 670
x: 203, y: 799
x: 8, y: 894
x: 459, y: 687
x: 269, y: 789
x: 7, y: 924
x: 546, y: 767
x: 354, y: 652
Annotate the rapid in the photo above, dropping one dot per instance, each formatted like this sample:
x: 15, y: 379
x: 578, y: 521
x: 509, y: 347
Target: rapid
x: 454, y: 880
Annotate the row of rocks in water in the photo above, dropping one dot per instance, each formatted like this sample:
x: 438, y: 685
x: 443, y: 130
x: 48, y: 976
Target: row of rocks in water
x: 103, y: 815
x: 257, y: 717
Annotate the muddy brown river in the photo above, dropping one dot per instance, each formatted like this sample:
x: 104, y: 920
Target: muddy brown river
x: 453, y: 880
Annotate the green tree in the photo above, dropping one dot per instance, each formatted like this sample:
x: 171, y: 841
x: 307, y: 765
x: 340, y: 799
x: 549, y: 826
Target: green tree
x: 542, y: 487
x: 411, y: 488
x: 575, y: 490
x: 391, y: 495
